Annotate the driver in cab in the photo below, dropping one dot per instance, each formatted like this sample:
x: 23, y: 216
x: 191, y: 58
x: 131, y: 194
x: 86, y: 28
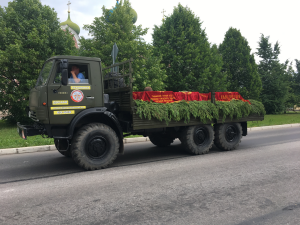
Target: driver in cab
x: 76, y: 75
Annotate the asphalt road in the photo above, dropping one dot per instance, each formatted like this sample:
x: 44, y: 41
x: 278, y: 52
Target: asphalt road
x: 259, y: 183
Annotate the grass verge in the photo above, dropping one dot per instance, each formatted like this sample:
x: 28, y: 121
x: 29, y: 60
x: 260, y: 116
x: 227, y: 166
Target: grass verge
x: 9, y: 137
x: 279, y: 119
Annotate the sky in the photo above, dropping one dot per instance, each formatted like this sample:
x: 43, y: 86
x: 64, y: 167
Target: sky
x: 274, y: 18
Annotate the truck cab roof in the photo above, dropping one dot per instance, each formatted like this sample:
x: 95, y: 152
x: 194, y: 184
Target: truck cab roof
x: 75, y: 57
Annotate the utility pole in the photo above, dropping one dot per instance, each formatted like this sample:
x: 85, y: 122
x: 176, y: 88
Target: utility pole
x: 114, y: 54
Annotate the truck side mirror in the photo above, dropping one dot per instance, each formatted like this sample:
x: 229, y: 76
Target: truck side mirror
x: 64, y: 77
x: 64, y: 71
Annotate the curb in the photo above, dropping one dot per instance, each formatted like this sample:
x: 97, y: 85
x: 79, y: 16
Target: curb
x: 45, y: 148
x: 274, y: 127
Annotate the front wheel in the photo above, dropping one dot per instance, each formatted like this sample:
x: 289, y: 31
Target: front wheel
x: 228, y: 136
x: 95, y: 146
x: 197, y: 140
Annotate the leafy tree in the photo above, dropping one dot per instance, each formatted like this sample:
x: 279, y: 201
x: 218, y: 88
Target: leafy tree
x: 30, y: 33
x: 240, y: 66
x: 191, y: 63
x: 294, y: 85
x: 274, y: 76
x: 117, y: 27
x: 292, y: 97
x: 297, y: 82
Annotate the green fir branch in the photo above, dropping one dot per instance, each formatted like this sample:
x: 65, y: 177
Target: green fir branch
x: 202, y: 110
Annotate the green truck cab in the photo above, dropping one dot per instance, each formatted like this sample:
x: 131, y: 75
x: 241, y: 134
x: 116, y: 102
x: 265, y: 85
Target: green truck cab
x: 88, y: 119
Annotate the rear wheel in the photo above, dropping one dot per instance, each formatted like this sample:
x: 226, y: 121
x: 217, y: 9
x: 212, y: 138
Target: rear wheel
x: 197, y: 140
x: 228, y: 136
x: 95, y: 146
x: 161, y: 140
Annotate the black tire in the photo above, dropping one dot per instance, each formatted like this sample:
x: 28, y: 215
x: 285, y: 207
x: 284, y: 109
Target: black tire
x: 67, y: 154
x: 161, y: 140
x: 63, y: 145
x: 197, y: 140
x: 95, y: 146
x: 228, y: 136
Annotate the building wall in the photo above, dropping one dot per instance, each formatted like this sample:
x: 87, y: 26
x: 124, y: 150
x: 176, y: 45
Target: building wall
x: 75, y: 38
x: 2, y: 115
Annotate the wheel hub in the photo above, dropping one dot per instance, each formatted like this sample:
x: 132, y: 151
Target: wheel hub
x: 231, y: 133
x: 200, y: 136
x: 96, y: 148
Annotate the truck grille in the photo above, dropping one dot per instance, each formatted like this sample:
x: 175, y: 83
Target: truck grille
x: 33, y: 116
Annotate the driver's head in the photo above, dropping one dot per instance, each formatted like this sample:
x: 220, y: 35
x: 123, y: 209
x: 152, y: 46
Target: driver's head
x: 75, y: 68
x: 148, y: 89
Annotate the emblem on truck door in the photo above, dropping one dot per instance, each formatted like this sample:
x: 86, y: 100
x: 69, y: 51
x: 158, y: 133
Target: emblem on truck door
x: 77, y: 96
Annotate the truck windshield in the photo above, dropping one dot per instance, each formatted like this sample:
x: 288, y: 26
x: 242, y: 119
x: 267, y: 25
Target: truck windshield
x: 43, y: 77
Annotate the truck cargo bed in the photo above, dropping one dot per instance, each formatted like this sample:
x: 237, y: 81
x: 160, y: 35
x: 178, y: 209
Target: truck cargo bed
x: 139, y: 124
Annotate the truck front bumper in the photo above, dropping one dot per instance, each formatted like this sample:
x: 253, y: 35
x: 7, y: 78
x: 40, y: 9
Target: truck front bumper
x: 27, y: 131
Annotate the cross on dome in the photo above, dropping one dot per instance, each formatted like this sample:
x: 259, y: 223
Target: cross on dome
x: 163, y: 12
x: 69, y: 3
x: 74, y: 28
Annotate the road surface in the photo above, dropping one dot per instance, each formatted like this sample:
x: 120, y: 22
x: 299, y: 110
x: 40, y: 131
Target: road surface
x: 259, y: 183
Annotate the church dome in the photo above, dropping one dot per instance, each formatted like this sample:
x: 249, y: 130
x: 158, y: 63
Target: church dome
x: 132, y: 12
x: 72, y: 25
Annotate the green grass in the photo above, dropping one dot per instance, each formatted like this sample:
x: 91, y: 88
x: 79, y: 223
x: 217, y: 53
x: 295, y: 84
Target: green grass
x: 9, y: 137
x: 293, y: 112
x: 276, y: 120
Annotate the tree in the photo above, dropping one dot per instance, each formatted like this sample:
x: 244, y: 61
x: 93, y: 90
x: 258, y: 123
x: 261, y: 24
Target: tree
x: 274, y: 76
x: 294, y: 85
x: 240, y: 66
x: 292, y: 97
x: 191, y: 63
x: 30, y: 34
x: 117, y: 27
x: 297, y: 82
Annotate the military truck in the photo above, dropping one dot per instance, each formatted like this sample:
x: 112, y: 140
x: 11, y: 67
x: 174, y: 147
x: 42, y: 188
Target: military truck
x: 88, y: 119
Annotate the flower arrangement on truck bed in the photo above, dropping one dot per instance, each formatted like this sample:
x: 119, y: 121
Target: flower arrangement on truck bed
x: 176, y: 106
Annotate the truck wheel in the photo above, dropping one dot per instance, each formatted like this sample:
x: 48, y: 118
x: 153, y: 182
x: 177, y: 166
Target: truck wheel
x: 95, y: 146
x: 161, y: 140
x: 228, y: 136
x: 62, y: 145
x: 197, y: 140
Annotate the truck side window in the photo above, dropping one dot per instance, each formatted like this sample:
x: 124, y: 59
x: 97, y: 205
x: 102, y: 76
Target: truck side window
x: 81, y: 71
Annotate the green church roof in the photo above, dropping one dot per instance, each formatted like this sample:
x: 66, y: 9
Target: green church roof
x: 72, y: 25
x: 133, y: 12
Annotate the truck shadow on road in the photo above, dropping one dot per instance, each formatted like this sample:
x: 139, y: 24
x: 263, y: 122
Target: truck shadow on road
x: 150, y: 153
x: 23, y: 167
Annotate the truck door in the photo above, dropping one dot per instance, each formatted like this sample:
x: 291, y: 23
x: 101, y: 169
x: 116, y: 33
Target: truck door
x: 64, y: 102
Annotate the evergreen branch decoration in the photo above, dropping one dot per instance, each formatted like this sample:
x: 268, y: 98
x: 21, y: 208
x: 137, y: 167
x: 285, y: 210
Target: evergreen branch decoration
x: 257, y: 107
x: 203, y: 110
x: 233, y: 109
